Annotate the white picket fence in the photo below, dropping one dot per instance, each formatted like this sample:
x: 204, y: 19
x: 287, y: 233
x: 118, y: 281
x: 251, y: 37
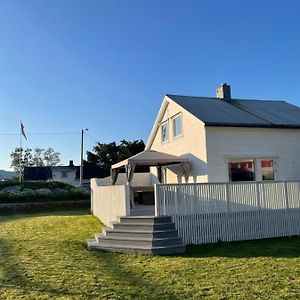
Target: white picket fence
x: 211, y: 212
x: 108, y: 203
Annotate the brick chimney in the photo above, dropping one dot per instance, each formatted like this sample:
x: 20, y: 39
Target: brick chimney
x: 223, y: 92
x: 71, y: 164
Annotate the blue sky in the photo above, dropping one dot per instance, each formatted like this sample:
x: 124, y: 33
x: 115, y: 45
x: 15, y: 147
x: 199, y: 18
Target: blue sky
x: 106, y: 65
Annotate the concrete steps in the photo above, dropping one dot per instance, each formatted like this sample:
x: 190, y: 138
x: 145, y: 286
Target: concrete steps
x: 141, y: 235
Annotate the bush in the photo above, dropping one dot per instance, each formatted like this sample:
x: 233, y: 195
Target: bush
x: 45, y: 207
x: 40, y: 192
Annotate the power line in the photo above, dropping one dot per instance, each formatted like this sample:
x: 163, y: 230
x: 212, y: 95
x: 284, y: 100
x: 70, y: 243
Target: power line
x: 43, y: 133
x: 92, y: 137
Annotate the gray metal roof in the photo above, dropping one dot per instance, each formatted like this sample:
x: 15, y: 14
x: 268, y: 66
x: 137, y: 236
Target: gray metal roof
x: 240, y: 112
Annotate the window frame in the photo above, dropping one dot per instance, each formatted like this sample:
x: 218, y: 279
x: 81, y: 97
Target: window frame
x: 161, y: 132
x: 242, y: 161
x: 64, y: 174
x: 257, y: 166
x: 179, y: 115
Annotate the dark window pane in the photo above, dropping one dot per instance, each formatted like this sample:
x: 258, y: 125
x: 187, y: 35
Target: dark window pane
x: 241, y: 170
x: 267, y: 168
x: 164, y: 132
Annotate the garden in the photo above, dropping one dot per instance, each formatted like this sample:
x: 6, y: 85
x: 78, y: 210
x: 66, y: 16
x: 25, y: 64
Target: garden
x: 31, y: 196
x: 43, y: 256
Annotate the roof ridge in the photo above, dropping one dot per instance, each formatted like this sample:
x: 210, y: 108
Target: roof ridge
x: 232, y: 99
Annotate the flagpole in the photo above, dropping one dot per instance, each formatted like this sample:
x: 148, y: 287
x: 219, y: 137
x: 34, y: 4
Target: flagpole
x: 20, y: 156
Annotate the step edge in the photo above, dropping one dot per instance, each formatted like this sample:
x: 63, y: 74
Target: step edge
x: 142, y: 224
x: 141, y: 247
x: 142, y: 231
x: 138, y: 239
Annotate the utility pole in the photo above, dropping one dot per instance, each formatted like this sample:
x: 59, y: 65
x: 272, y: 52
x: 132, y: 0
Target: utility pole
x: 81, y: 155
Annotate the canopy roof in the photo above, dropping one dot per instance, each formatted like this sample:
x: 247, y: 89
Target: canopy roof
x: 150, y: 158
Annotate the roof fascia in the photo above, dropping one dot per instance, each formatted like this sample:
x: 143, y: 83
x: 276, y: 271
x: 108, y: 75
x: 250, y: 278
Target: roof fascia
x: 158, y: 119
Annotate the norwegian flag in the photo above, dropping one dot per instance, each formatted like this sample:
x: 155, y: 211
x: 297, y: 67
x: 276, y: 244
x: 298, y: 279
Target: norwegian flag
x: 22, y: 130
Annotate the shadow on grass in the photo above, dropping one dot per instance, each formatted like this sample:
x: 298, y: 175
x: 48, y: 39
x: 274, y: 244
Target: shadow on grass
x: 130, y: 282
x: 284, y: 247
x: 133, y: 278
x: 14, y: 276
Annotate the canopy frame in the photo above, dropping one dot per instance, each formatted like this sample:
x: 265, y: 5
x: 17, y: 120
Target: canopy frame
x: 149, y: 158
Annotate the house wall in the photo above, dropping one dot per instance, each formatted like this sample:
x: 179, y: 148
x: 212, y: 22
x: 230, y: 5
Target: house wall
x: 70, y: 175
x: 190, y: 145
x: 138, y: 179
x: 225, y: 142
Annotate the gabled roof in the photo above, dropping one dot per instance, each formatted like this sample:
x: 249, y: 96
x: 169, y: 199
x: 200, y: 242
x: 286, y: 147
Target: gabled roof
x: 240, y: 112
x: 233, y: 113
x: 150, y: 158
x: 44, y: 173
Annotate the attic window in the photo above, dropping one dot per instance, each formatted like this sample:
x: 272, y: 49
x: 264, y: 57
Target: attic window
x: 177, y: 125
x: 164, y: 132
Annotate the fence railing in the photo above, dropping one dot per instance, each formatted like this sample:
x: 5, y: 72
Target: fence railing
x: 202, y: 198
x: 109, y: 202
x: 208, y: 212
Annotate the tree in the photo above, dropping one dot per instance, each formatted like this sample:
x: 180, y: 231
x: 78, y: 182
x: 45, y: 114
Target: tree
x: 39, y: 157
x: 21, y: 158
x: 51, y: 157
x: 106, y: 155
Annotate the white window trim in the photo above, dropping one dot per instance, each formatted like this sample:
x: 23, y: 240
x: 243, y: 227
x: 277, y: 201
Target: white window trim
x: 173, y: 127
x: 256, y: 160
x: 168, y: 131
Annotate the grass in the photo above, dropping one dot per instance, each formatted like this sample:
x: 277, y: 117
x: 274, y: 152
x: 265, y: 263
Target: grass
x: 43, y: 256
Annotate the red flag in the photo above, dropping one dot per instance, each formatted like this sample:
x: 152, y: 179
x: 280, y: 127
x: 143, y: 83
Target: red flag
x: 22, y: 130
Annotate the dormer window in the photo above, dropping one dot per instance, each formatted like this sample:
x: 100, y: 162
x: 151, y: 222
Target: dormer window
x: 164, y: 132
x: 177, y: 126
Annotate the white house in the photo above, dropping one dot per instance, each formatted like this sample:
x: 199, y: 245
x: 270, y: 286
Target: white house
x: 223, y: 169
x: 66, y: 174
x: 227, y: 139
x: 69, y: 174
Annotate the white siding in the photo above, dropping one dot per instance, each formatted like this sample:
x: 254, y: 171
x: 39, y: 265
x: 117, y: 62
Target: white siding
x: 139, y: 179
x: 281, y: 144
x: 70, y: 175
x: 191, y: 145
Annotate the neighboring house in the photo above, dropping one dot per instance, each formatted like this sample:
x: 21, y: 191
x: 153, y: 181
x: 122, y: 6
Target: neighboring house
x: 37, y: 173
x: 228, y: 139
x: 69, y: 174
x: 65, y: 173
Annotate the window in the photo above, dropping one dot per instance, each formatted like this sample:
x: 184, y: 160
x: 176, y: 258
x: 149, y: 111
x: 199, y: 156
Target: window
x: 267, y: 169
x: 64, y: 174
x: 177, y: 125
x: 164, y: 132
x: 241, y: 170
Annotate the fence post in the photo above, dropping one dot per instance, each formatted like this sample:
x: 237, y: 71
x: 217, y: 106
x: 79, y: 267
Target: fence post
x: 227, y: 196
x: 176, y: 199
x: 92, y: 195
x: 127, y: 199
x: 286, y: 195
x: 156, y: 200
x: 257, y: 195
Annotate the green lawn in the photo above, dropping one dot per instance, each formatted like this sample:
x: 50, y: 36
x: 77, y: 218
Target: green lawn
x: 44, y: 256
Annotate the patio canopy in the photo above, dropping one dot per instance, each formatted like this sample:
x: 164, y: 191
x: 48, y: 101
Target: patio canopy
x: 148, y: 158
